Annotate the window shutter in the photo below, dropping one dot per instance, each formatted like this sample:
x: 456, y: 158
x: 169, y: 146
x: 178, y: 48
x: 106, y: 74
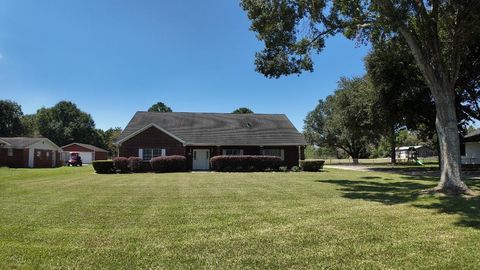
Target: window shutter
x: 140, y: 153
x: 241, y: 152
x: 224, y: 152
x: 164, y: 152
x: 282, y: 154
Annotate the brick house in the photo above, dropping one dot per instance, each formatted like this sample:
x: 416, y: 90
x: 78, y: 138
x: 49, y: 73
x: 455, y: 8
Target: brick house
x: 87, y: 152
x: 25, y: 152
x: 200, y: 136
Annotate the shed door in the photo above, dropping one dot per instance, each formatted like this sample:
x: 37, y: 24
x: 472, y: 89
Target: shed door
x: 86, y: 157
x: 201, y: 159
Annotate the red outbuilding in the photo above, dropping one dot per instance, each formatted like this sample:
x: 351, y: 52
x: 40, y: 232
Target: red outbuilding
x: 87, y: 152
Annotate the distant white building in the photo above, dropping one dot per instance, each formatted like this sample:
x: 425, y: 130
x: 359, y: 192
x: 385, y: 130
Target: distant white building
x: 408, y: 152
x: 471, y: 148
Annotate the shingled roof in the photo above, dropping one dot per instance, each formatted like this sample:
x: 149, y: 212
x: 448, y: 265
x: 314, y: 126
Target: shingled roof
x: 218, y: 128
x: 88, y: 146
x: 21, y: 142
x: 473, y: 136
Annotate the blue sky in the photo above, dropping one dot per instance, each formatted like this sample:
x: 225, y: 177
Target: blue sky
x: 113, y: 58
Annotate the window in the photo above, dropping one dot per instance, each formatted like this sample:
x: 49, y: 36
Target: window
x: 149, y: 153
x: 39, y: 154
x: 273, y: 152
x: 232, y: 152
x: 10, y: 152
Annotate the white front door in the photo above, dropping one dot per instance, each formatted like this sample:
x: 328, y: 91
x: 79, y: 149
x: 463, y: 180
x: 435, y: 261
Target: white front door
x: 201, y: 159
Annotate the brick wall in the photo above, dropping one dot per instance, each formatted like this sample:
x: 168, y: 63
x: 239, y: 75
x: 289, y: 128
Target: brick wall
x: 151, y: 138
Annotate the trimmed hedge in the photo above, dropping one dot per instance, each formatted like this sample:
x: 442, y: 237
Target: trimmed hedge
x: 121, y: 164
x: 135, y: 164
x: 169, y: 164
x: 103, y: 166
x: 245, y: 163
x: 313, y: 165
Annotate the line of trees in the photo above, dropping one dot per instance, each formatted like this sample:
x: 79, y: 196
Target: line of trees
x: 63, y: 123
x: 366, y: 114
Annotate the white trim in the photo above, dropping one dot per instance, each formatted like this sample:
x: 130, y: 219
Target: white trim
x: 147, y: 127
x: 4, y: 142
x: 31, y: 153
x: 54, y: 159
x: 140, y: 153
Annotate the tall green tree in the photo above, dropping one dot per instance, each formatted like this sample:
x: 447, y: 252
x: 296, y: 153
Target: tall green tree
x: 65, y: 123
x: 111, y: 135
x: 438, y: 33
x: 401, y: 97
x: 242, y: 110
x: 10, y: 118
x: 159, y: 107
x: 30, y: 127
x: 344, y: 120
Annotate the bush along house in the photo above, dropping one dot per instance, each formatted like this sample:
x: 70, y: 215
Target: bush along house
x: 200, y: 136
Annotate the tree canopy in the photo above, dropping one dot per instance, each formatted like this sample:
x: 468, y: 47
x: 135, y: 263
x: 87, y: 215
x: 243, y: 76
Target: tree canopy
x: 242, y: 110
x: 65, y: 123
x: 344, y: 120
x: 10, y: 118
x: 159, y: 107
x: 440, y: 34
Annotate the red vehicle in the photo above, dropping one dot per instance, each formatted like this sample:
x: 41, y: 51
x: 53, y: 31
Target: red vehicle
x: 75, y: 159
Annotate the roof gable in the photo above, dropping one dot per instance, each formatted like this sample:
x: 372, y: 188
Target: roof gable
x: 24, y: 142
x: 218, y: 128
x: 87, y: 146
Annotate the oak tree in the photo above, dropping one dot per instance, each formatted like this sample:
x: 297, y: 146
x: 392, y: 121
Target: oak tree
x: 159, y: 107
x: 242, y: 110
x: 438, y: 33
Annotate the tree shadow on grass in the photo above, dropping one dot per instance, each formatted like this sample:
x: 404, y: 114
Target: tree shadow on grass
x: 409, y: 190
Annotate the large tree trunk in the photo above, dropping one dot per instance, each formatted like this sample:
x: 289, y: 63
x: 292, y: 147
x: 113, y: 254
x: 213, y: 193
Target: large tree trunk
x: 442, y: 88
x: 449, y: 142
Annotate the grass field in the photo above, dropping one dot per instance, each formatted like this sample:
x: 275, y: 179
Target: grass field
x: 72, y: 218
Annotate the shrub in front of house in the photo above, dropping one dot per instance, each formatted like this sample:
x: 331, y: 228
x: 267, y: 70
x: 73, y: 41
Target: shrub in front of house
x: 103, y: 166
x: 121, y: 164
x: 136, y: 164
x: 313, y: 165
x: 169, y: 164
x: 245, y: 163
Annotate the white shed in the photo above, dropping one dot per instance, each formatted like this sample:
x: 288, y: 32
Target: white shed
x: 471, y: 148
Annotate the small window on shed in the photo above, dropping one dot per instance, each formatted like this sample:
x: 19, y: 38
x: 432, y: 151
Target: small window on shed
x: 39, y: 154
x: 10, y: 152
x: 48, y: 154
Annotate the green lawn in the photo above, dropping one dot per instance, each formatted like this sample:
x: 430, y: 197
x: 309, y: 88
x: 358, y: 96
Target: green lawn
x: 73, y: 218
